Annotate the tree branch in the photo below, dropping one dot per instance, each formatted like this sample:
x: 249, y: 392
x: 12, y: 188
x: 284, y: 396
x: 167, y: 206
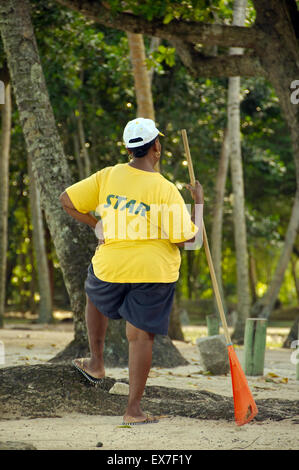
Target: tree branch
x: 219, y: 66
x: 188, y: 31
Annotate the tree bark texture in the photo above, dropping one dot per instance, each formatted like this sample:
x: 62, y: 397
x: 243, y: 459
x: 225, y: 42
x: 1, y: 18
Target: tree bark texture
x: 78, y: 158
x: 216, y: 232
x: 41, y: 259
x: 252, y: 276
x: 4, y: 191
x: 243, y: 293
x: 74, y: 243
x: 155, y: 43
x: 175, y: 329
x: 295, y: 278
x: 143, y: 92
x: 81, y: 133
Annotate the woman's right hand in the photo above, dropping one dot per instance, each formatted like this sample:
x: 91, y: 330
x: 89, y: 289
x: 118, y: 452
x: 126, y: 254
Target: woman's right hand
x: 196, y: 192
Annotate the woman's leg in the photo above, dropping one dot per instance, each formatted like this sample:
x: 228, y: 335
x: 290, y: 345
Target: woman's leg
x: 96, y: 327
x: 140, y: 359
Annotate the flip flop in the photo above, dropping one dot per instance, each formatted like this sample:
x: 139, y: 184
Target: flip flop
x: 89, y: 377
x: 147, y: 420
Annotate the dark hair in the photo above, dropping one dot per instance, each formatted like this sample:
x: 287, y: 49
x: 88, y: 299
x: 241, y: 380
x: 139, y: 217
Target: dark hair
x: 141, y: 151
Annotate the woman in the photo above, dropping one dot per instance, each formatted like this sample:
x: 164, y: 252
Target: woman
x: 132, y: 274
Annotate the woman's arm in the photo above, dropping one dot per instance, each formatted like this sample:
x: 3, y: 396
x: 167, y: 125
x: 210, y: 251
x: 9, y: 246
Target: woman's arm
x: 198, y: 197
x: 68, y: 206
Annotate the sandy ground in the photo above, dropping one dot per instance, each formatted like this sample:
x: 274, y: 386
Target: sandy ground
x: 82, y: 432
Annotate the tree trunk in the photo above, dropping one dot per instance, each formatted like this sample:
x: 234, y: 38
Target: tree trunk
x: 155, y: 42
x: 175, y: 330
x: 294, y: 274
x: 4, y: 190
x: 48, y: 242
x: 243, y: 293
x: 48, y: 160
x: 84, y: 151
x: 78, y: 157
x: 252, y: 277
x: 145, y: 106
x: 216, y: 232
x: 45, y: 303
x: 32, y: 287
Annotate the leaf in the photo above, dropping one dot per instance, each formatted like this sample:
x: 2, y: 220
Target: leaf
x: 263, y: 388
x: 168, y: 18
x: 124, y: 426
x: 272, y: 374
x: 29, y: 346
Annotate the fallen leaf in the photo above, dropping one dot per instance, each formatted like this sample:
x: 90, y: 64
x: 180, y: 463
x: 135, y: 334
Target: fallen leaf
x: 272, y: 374
x: 153, y: 374
x: 263, y: 388
x: 278, y: 380
x: 29, y: 346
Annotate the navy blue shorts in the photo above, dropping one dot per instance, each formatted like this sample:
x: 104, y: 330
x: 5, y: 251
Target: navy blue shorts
x: 147, y: 306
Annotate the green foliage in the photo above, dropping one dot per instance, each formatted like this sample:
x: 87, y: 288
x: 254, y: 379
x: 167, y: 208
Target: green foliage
x: 167, y: 10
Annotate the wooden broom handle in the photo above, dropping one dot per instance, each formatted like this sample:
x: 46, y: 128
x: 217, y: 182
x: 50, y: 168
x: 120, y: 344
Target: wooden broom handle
x: 206, y: 246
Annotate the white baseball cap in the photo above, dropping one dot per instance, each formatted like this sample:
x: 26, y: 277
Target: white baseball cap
x: 139, y: 132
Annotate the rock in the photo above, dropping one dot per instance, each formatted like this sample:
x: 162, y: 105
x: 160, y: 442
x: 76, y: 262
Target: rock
x: 99, y: 444
x: 16, y: 445
x: 120, y: 388
x: 213, y: 354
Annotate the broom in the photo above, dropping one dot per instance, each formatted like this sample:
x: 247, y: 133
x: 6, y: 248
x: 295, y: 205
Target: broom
x: 244, y: 404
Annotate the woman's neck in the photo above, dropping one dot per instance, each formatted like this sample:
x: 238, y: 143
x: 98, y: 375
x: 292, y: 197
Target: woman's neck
x: 142, y: 163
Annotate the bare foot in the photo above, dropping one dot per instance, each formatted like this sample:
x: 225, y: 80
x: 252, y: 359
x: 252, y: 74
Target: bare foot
x: 145, y: 419
x: 135, y: 415
x: 88, y: 365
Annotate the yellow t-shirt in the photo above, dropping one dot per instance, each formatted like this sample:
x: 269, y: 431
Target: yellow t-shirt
x: 143, y: 216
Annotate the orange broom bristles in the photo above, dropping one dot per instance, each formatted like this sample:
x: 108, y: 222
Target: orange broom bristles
x: 244, y: 404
